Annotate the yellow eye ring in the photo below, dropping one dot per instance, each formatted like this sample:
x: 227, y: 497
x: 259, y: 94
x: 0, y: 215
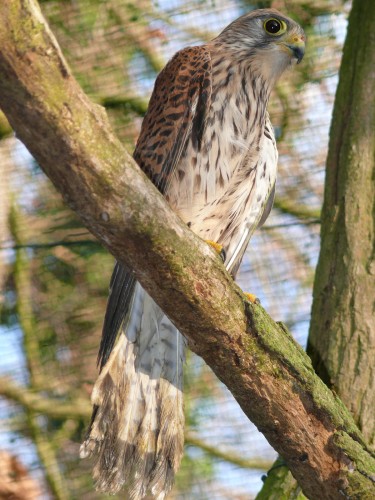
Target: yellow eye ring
x: 274, y: 27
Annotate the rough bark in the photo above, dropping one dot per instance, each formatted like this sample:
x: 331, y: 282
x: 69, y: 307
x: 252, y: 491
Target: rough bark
x: 342, y: 335
x: 267, y: 372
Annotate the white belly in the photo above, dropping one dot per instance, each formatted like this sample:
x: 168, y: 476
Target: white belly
x: 224, y: 187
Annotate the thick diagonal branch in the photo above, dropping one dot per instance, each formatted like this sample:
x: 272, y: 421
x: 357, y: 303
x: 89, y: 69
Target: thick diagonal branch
x: 269, y: 375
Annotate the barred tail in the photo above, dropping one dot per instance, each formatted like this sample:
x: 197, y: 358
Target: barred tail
x: 137, y: 427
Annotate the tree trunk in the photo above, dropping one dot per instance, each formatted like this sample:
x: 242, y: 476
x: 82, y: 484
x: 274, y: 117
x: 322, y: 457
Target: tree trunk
x: 342, y: 333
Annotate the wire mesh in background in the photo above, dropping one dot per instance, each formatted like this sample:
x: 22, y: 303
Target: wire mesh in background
x: 54, y: 276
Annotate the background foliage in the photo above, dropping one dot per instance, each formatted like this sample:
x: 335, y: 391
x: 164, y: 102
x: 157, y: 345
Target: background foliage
x: 54, y: 276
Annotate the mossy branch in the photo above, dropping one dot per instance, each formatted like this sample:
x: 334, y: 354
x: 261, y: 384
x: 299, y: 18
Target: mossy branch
x: 280, y: 484
x: 267, y: 372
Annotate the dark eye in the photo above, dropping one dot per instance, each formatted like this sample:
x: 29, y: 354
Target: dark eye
x: 274, y: 27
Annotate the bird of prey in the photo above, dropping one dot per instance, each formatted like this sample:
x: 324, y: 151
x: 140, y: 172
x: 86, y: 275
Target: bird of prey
x: 208, y: 145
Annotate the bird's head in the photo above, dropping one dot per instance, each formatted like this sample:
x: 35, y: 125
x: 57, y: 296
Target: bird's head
x: 271, y: 40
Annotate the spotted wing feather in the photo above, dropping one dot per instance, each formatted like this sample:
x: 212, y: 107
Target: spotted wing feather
x: 177, y: 109
x: 176, y: 112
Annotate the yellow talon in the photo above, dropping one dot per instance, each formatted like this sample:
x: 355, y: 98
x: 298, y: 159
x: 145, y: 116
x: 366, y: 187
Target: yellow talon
x: 218, y: 248
x: 252, y: 298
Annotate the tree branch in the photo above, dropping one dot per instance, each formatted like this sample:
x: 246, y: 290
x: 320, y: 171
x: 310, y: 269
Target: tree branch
x: 267, y: 372
x: 34, y: 402
x: 245, y: 463
x: 280, y: 483
x: 302, y: 212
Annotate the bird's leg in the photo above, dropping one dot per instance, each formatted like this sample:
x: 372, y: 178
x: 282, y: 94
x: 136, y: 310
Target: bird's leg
x: 218, y: 249
x: 252, y: 298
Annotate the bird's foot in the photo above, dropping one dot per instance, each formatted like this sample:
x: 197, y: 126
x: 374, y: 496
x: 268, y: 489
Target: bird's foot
x: 252, y: 298
x: 219, y: 249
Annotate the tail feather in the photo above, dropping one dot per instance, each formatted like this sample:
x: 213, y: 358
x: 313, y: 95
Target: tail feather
x: 136, y: 432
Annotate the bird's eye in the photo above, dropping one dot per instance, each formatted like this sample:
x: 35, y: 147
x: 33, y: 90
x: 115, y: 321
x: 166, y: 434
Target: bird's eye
x: 274, y: 26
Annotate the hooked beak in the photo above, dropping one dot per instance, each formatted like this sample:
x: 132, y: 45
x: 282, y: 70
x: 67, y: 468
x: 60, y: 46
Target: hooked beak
x: 298, y: 51
x: 296, y: 45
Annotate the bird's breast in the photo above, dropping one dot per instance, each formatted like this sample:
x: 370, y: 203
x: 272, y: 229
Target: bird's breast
x: 229, y: 150
x: 221, y: 189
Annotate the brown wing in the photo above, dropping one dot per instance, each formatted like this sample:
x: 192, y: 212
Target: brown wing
x: 176, y: 112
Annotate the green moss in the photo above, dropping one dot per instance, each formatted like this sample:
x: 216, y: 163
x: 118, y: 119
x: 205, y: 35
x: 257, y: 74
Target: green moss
x: 365, y: 462
x: 279, y: 484
x: 33, y: 32
x: 277, y: 342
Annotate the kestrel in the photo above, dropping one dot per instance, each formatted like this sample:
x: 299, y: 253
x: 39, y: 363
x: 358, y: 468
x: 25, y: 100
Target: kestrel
x: 208, y: 145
